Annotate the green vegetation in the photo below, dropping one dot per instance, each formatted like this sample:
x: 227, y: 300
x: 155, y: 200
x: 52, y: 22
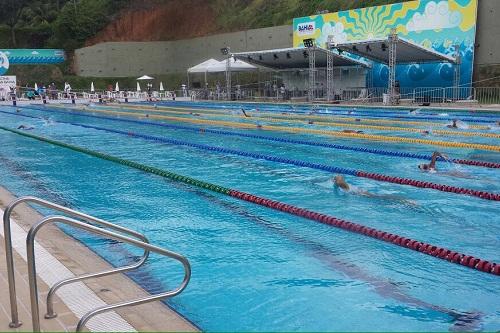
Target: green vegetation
x: 68, y: 24
x: 54, y: 23
x: 249, y: 14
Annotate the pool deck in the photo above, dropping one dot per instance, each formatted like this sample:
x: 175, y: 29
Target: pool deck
x: 60, y: 256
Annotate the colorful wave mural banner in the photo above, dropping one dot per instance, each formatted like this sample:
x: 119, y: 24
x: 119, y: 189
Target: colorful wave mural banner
x: 434, y: 24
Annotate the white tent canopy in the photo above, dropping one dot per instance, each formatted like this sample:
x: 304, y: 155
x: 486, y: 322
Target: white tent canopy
x: 145, y: 77
x: 203, y: 67
x: 236, y: 66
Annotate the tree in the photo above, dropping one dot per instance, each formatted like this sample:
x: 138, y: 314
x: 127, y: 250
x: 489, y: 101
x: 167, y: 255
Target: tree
x: 10, y: 13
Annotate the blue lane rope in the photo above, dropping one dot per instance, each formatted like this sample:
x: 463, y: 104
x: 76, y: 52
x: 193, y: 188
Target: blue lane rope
x: 357, y: 113
x: 252, y: 136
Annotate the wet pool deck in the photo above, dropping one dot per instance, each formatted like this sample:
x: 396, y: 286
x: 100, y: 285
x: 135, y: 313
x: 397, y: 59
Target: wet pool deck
x: 59, y: 256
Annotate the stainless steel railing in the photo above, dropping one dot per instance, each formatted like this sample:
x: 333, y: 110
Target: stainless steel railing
x: 30, y: 248
x: 88, y: 219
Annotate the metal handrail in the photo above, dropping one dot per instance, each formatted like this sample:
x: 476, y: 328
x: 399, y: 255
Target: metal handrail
x: 30, y: 249
x: 10, y: 259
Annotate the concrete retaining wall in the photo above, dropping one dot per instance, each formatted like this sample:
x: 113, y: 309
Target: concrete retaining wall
x: 123, y: 59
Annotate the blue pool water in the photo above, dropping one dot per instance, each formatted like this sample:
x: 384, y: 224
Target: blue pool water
x: 256, y: 269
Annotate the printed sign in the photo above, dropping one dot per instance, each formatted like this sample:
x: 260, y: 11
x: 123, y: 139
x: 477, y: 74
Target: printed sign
x: 306, y: 28
x: 6, y: 83
x: 435, y: 24
x: 4, y: 63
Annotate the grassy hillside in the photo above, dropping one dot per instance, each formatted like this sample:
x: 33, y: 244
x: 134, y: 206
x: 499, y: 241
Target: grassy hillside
x: 69, y: 23
x: 248, y: 14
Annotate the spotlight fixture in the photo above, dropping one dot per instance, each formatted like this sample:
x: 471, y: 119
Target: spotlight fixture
x: 275, y: 56
x: 355, y: 48
x: 288, y: 56
x: 384, y: 47
x: 340, y: 51
x: 249, y: 58
x: 368, y: 48
x: 225, y: 50
x: 305, y: 54
x: 309, y: 42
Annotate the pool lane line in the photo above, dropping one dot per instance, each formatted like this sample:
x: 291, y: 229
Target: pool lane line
x: 317, y: 166
x: 381, y: 286
x: 257, y: 117
x: 361, y: 113
x: 485, y: 164
x: 370, y: 137
x: 425, y: 248
x: 326, y: 117
x: 284, y: 115
x: 325, y: 110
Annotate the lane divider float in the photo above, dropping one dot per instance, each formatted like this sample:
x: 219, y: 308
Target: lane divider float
x: 485, y: 164
x: 323, y: 123
x: 306, y: 117
x: 422, y: 247
x: 371, y: 137
x: 316, y: 166
x: 360, y: 113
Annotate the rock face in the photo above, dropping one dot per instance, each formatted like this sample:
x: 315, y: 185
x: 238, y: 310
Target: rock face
x: 151, y: 20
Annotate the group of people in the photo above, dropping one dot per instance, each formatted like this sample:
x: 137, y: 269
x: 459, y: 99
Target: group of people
x: 47, y: 91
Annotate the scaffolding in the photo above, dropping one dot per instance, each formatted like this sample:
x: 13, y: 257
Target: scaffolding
x: 311, y: 92
x: 393, y: 44
x: 456, y: 77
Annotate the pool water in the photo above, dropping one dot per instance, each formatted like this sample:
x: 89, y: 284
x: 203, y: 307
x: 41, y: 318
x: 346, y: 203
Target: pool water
x: 256, y: 269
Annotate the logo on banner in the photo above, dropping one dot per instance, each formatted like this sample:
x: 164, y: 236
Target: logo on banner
x: 4, y: 63
x: 306, y: 28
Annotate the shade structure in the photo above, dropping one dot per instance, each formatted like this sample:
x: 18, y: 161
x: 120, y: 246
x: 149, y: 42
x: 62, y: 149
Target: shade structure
x: 138, y: 87
x: 204, y: 66
x: 408, y: 52
x: 145, y: 77
x: 296, y: 57
x: 237, y: 65
x: 161, y: 86
x: 117, y: 87
x: 91, y: 87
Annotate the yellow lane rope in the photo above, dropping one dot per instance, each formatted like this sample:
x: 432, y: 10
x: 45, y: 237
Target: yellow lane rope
x: 309, y: 131
x: 304, y: 117
x: 331, y: 124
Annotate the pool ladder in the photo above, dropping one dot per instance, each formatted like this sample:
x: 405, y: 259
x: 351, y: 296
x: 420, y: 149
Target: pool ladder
x: 90, y: 224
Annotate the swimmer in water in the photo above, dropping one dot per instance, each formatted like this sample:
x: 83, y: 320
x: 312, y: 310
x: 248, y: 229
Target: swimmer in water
x: 432, y: 166
x: 194, y: 114
x: 26, y: 128
x: 340, y: 182
x: 453, y: 125
x: 426, y: 132
x: 18, y: 110
x: 352, y: 132
x: 244, y: 113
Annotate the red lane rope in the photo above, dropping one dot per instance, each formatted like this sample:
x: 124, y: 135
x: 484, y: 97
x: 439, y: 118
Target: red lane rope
x: 429, y: 249
x: 424, y: 184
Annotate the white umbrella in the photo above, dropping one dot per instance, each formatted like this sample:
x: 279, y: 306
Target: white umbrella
x: 161, y: 86
x: 138, y: 87
x: 145, y: 77
x: 117, y: 88
x: 36, y: 86
x: 91, y: 87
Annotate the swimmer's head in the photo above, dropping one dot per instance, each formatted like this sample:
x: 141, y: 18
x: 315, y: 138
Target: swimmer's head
x: 424, y: 167
x: 339, y: 181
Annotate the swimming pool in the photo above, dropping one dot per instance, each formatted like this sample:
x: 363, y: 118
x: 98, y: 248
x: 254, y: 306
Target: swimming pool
x: 258, y: 269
